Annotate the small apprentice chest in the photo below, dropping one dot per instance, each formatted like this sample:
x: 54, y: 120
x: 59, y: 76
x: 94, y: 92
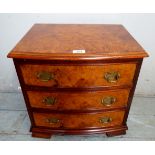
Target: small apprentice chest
x: 78, y: 78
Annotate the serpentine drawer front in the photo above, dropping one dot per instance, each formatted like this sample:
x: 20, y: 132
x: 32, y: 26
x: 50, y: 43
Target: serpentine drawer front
x: 77, y: 78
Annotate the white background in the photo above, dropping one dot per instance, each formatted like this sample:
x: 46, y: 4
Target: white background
x: 77, y: 6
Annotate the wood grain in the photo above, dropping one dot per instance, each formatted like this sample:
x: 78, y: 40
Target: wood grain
x: 77, y: 76
x: 80, y: 121
x: 78, y: 100
x: 54, y: 41
x: 77, y: 81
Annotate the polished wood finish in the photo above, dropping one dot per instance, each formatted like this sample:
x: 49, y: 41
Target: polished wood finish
x: 116, y: 133
x: 68, y: 93
x: 56, y: 42
x: 41, y: 135
x: 138, y: 67
x: 77, y: 76
x: 80, y: 121
x: 107, y: 130
x: 92, y: 100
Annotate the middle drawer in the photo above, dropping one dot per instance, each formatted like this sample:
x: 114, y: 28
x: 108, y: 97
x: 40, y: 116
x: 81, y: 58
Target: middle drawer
x: 92, y: 100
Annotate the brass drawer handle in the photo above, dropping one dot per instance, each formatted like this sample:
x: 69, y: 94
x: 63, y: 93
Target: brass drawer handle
x: 52, y: 120
x: 112, y: 76
x: 105, y: 120
x: 108, y: 100
x: 45, y: 76
x: 49, y: 100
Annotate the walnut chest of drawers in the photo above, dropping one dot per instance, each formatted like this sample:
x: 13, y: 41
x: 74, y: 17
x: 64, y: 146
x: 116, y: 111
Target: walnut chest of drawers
x: 78, y: 79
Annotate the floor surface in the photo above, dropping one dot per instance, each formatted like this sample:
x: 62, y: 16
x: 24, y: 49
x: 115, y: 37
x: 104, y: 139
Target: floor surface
x: 15, y: 124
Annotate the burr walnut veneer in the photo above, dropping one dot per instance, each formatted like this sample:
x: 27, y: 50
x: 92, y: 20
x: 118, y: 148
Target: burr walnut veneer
x: 78, y: 78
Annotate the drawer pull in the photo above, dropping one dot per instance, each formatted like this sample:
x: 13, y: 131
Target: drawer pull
x: 52, y: 120
x: 105, y: 120
x: 49, y: 100
x: 108, y: 100
x: 45, y: 76
x: 112, y: 76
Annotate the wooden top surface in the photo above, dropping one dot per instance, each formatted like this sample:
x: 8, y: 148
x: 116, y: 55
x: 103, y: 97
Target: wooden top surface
x: 57, y: 41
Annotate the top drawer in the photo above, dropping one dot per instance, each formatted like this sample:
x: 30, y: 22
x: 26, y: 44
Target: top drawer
x: 60, y: 76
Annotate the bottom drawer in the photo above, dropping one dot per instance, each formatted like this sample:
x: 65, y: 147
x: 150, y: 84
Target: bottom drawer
x: 79, y: 121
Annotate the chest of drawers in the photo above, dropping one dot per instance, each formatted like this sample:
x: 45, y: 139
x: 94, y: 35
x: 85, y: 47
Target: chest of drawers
x: 77, y: 79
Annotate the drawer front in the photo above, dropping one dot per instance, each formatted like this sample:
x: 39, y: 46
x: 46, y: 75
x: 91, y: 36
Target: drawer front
x: 78, y: 76
x: 79, y: 101
x: 79, y: 121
